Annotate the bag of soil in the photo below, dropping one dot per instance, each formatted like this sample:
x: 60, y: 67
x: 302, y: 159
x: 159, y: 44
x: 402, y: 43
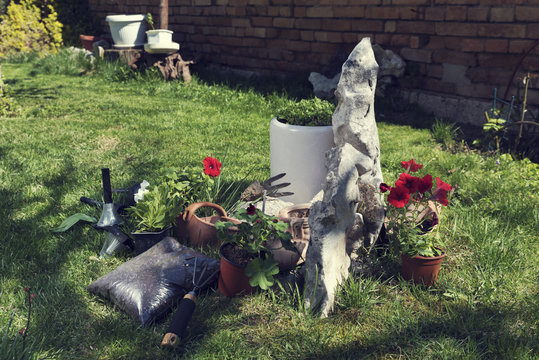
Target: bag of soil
x: 146, y: 286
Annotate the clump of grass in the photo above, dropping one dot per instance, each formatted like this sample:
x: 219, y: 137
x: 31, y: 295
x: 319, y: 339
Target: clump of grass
x: 444, y: 133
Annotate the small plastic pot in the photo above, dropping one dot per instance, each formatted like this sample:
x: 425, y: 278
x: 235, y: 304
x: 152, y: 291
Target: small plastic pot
x: 145, y: 240
x: 232, y: 279
x: 421, y: 269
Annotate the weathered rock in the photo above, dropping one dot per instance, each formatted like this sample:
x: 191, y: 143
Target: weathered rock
x: 391, y: 67
x: 324, y: 87
x: 354, y: 174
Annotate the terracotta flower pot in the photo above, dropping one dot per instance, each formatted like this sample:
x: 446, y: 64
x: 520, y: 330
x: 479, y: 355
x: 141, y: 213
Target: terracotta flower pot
x: 200, y: 231
x: 421, y: 269
x: 87, y: 41
x: 232, y: 278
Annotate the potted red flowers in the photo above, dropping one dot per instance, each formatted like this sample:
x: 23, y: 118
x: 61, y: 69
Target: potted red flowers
x: 412, y: 214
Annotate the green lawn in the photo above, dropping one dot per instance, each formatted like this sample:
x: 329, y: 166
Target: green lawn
x: 67, y: 127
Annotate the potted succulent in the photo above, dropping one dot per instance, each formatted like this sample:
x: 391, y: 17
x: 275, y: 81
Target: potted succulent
x: 412, y: 215
x: 300, y: 135
x: 246, y: 254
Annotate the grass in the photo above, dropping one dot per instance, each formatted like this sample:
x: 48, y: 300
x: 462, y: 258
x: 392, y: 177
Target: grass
x: 69, y: 125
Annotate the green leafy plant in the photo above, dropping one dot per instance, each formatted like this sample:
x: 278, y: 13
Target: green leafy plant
x: 149, y: 20
x: 155, y: 212
x: 25, y: 27
x: 306, y: 112
x: 6, y: 101
x: 253, y: 235
x: 444, y: 133
x: 412, y: 211
x: 18, y: 347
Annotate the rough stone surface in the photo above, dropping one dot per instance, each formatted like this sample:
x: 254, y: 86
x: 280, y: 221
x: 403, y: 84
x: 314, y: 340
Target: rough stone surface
x: 324, y: 87
x: 391, y: 67
x: 354, y: 174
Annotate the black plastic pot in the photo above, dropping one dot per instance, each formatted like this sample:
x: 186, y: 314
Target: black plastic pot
x: 145, y: 240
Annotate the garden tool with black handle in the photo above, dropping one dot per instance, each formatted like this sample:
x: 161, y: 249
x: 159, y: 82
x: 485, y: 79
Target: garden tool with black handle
x: 177, y: 326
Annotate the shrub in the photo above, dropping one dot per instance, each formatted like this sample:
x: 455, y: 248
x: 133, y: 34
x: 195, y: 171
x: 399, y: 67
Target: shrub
x: 308, y: 112
x: 76, y: 19
x: 25, y: 28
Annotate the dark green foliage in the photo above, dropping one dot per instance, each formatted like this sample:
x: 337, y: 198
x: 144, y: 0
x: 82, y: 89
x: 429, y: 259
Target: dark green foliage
x: 77, y: 19
x: 306, y: 112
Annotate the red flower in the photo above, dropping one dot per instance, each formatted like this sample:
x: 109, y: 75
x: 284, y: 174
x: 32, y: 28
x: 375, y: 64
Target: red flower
x: 26, y: 289
x: 258, y: 221
x: 384, y: 187
x: 212, y: 166
x: 275, y: 220
x: 398, y: 196
x: 411, y: 165
x: 32, y: 297
x: 251, y: 210
x: 425, y: 184
x: 21, y: 331
x: 411, y: 183
x: 440, y: 193
x: 440, y: 185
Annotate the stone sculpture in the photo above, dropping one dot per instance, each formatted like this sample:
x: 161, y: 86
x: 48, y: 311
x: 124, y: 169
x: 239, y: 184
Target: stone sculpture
x: 354, y: 174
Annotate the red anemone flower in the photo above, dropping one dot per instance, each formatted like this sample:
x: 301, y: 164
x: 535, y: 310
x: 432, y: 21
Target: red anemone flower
x: 411, y: 165
x: 251, y: 210
x: 384, y: 187
x: 440, y: 192
x: 425, y: 184
x: 398, y: 196
x: 411, y: 183
x: 440, y: 185
x: 212, y: 166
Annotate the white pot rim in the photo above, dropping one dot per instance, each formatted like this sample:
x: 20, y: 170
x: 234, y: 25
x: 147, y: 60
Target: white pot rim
x: 125, y: 18
x: 158, y: 31
x: 289, y: 127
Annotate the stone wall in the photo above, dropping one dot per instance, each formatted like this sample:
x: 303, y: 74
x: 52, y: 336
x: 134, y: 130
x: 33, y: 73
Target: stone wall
x: 452, y: 47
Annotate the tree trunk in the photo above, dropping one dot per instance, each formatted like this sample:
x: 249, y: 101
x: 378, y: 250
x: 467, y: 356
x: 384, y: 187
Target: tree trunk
x: 163, y: 14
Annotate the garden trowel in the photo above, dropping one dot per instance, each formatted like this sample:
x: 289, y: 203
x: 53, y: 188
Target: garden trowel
x: 109, y: 216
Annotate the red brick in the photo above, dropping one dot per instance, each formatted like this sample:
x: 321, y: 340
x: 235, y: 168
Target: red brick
x: 475, y: 90
x: 299, y: 45
x: 320, y: 11
x: 496, y: 45
x: 435, y: 71
x: 285, y: 11
x: 478, y: 13
x: 390, y: 26
x: 336, y: 24
x: 258, y: 2
x: 502, y: 14
x: 452, y: 42
x: 416, y: 27
x: 533, y: 31
x: 400, y: 40
x: 382, y: 12
x: 436, y: 42
x: 411, y: 2
x: 273, y: 10
x: 457, y: 2
x: 240, y: 32
x: 417, y: 42
x: 434, y: 13
x: 520, y: 46
x: 234, y: 2
x: 472, y: 45
x: 382, y: 39
x: 439, y: 86
x: 261, y: 21
x: 498, y: 60
x: 454, y: 57
x: 531, y: 64
x: 333, y: 2
x: 456, y: 29
x: 411, y: 13
x: 300, y: 12
x: 367, y: 25
x: 321, y: 35
x: 239, y: 22
x: 349, y: 37
x: 307, y: 35
x: 334, y: 37
x: 308, y: 24
x: 252, y: 42
x: 349, y: 11
x: 502, y: 30
x: 290, y: 34
x: 283, y: 22
x: 328, y: 48
x: 367, y: 2
x: 527, y: 13
x: 455, y: 13
x: 417, y: 55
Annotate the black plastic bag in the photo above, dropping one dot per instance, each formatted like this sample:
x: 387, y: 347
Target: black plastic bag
x: 146, y: 286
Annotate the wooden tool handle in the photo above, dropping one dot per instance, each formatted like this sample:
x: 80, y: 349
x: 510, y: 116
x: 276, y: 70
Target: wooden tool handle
x: 179, y: 322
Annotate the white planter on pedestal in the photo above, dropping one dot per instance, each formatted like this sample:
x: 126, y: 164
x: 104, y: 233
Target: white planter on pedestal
x: 160, y: 42
x: 127, y: 30
x: 299, y: 151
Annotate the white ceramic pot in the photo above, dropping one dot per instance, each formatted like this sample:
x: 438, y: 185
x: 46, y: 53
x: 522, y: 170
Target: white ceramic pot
x: 299, y: 151
x: 127, y: 30
x: 159, y: 36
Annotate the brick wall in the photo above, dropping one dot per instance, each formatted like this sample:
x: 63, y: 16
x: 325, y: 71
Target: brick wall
x: 454, y: 47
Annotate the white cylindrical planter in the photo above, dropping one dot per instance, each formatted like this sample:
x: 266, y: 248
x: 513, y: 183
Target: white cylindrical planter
x: 299, y: 151
x: 127, y: 30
